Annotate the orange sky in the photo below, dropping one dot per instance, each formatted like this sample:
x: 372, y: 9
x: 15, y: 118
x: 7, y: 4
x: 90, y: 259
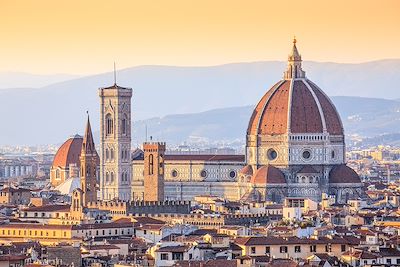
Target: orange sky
x: 82, y: 37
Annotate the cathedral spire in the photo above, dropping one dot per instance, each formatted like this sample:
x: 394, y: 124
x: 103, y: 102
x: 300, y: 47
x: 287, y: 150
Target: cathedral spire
x: 88, y: 143
x: 294, y: 69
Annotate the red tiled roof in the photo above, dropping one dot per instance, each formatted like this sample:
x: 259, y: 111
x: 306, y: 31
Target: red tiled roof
x: 173, y: 249
x: 14, y: 190
x: 13, y: 257
x: 100, y: 247
x: 208, y: 263
x: 304, y: 115
x: 102, y: 225
x: 49, y: 208
x: 37, y: 226
x: 271, y: 240
x: 147, y: 220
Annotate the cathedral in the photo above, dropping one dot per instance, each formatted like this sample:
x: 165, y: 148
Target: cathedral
x: 295, y: 147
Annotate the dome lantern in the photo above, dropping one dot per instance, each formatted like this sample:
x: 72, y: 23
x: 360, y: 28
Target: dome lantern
x: 294, y: 69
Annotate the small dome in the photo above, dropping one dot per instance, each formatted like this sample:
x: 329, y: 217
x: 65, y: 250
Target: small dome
x: 247, y: 170
x: 342, y: 174
x: 69, y: 152
x: 268, y: 175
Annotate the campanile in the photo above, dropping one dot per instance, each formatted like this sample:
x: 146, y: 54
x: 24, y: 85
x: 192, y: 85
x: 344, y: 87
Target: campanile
x: 115, y: 142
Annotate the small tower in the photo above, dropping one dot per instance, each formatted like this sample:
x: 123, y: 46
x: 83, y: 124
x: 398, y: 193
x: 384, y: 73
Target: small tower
x: 89, y: 162
x: 294, y: 70
x: 77, y: 205
x: 154, y: 171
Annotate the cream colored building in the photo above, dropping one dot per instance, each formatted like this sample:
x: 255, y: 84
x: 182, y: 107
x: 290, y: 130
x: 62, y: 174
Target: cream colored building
x: 292, y: 247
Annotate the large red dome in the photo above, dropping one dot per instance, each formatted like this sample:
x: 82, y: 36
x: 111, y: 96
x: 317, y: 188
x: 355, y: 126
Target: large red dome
x: 295, y: 106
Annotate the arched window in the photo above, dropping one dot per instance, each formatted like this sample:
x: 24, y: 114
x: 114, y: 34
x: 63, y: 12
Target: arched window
x: 112, y: 177
x: 107, y: 154
x: 124, y: 125
x: 151, y: 164
x: 112, y: 153
x: 347, y: 197
x: 109, y: 124
x: 273, y: 197
x: 107, y: 177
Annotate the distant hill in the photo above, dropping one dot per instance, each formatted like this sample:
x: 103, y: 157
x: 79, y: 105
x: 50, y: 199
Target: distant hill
x: 11, y: 79
x: 50, y: 114
x: 365, y: 116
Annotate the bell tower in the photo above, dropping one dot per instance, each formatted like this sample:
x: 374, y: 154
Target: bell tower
x: 115, y: 142
x: 89, y: 161
x: 154, y: 171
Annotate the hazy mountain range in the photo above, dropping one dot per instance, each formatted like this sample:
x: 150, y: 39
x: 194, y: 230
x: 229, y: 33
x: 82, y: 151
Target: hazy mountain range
x: 363, y: 116
x: 12, y: 79
x: 51, y: 113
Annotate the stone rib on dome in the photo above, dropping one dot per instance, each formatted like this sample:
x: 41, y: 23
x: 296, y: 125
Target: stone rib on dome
x: 68, y: 153
x: 333, y: 122
x: 341, y: 174
x: 268, y: 175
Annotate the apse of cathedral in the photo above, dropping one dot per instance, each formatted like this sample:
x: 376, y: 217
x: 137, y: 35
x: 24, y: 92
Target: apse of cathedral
x: 295, y: 147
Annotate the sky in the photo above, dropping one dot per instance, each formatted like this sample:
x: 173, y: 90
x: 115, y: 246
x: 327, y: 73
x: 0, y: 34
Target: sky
x: 86, y: 37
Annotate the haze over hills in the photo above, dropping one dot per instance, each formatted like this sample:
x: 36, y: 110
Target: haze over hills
x: 12, y: 79
x: 363, y: 116
x: 51, y: 113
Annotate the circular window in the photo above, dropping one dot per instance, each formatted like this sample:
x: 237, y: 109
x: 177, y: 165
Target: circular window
x: 272, y: 154
x: 232, y: 174
x: 203, y: 173
x: 306, y: 154
x: 174, y: 173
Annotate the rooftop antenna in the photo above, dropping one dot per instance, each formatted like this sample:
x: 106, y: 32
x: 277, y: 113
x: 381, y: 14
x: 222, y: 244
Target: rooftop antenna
x: 115, y: 75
